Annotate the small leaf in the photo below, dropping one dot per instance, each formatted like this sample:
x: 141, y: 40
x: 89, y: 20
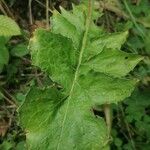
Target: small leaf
x: 145, y: 21
x: 4, y: 55
x: 21, y: 146
x: 6, y: 145
x: 136, y: 105
x: 20, y: 97
x: 8, y: 27
x: 110, y: 41
x: 20, y: 50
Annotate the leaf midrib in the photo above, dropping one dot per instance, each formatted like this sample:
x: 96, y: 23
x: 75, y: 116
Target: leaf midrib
x: 84, y: 41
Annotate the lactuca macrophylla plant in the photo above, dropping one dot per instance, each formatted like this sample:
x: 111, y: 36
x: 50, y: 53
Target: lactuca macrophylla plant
x: 91, y: 69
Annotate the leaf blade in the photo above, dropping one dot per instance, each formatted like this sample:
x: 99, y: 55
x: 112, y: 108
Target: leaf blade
x: 61, y: 54
x: 8, y: 27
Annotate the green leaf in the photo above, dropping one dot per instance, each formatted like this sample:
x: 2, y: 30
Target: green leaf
x: 44, y: 119
x: 4, y: 54
x: 109, y: 41
x: 145, y: 21
x: 21, y: 146
x: 118, y: 142
x: 64, y: 119
x: 20, y: 50
x: 60, y: 61
x: 6, y: 145
x: 147, y: 42
x: 72, y: 25
x: 1, y: 95
x: 113, y: 62
x: 102, y: 89
x: 136, y: 105
x: 8, y: 27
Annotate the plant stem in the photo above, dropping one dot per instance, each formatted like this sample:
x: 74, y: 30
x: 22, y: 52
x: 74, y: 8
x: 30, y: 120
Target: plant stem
x: 133, y: 19
x: 128, y: 129
x: 8, y: 100
x: 47, y: 14
x: 7, y: 10
x: 2, y: 9
x: 108, y: 117
x: 50, y: 10
x: 30, y: 12
x: 114, y: 9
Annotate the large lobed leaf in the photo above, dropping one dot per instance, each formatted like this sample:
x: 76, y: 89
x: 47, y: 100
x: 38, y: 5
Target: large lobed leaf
x: 90, y: 68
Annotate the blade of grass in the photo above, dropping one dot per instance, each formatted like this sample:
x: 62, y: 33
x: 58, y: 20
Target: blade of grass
x: 133, y: 19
